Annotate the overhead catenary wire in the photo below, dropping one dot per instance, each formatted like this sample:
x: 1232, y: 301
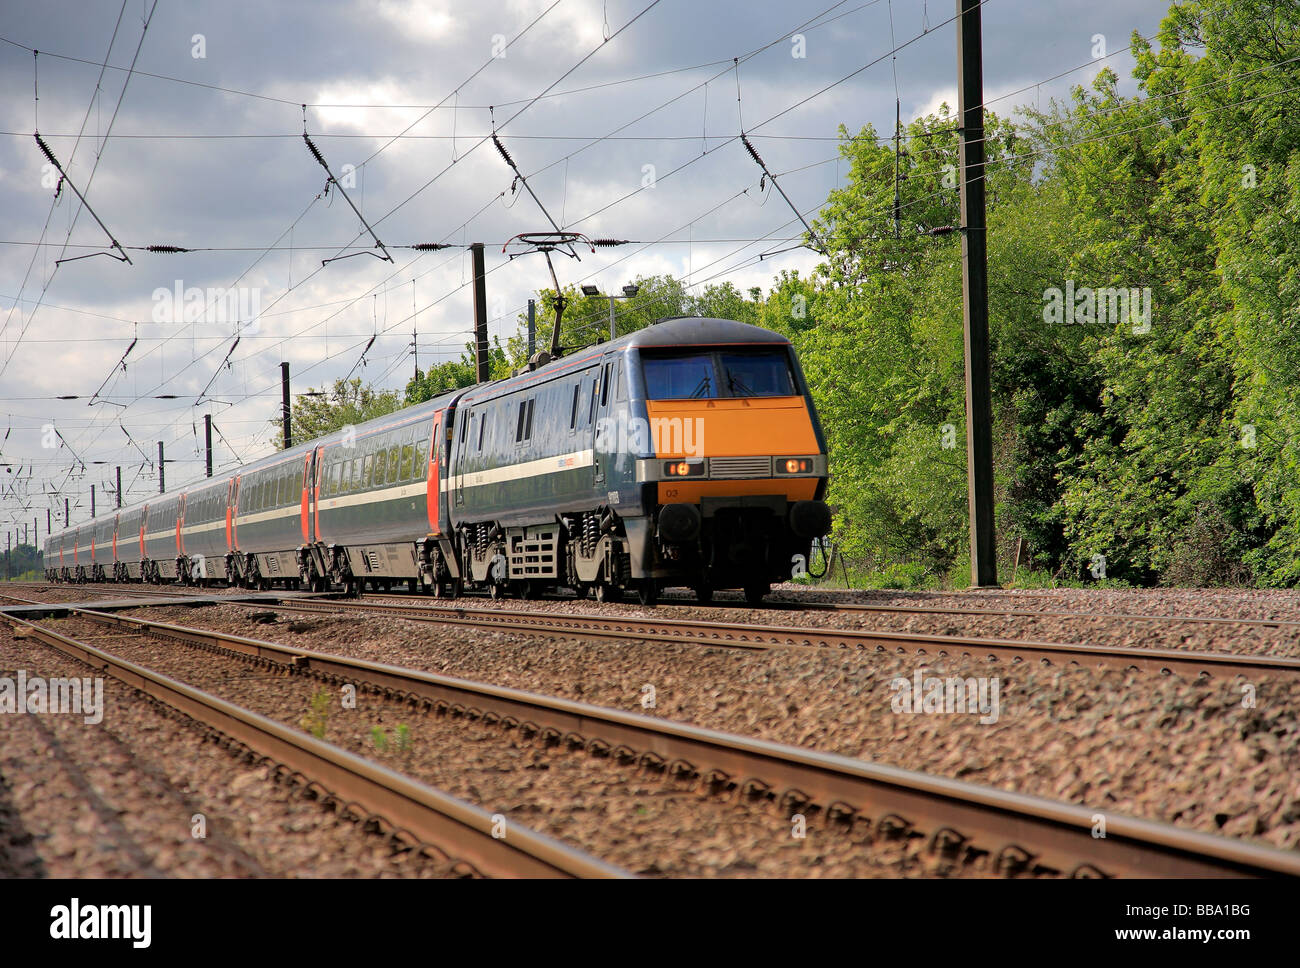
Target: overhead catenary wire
x: 696, y: 274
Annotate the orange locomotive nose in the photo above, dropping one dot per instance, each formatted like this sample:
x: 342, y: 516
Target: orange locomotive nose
x: 758, y: 427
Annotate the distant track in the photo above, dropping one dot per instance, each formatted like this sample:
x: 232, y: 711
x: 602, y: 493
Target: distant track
x: 759, y: 637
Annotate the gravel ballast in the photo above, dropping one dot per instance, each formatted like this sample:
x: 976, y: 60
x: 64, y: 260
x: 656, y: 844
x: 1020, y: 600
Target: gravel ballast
x: 1217, y: 755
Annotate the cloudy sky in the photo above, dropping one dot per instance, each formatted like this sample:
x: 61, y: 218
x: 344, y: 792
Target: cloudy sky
x: 203, y: 149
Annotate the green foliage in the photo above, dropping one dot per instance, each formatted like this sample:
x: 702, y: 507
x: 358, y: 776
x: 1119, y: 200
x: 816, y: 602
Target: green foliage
x: 346, y: 403
x: 318, y: 713
x: 400, y: 743
x: 23, y: 559
x: 1173, y: 452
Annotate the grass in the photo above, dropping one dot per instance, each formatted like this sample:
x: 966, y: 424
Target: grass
x: 317, y: 716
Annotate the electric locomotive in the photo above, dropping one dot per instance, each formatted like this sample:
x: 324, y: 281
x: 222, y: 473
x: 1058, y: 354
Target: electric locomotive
x: 685, y: 454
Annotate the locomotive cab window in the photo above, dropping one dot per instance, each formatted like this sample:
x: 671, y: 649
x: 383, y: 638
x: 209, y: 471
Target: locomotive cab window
x: 726, y: 373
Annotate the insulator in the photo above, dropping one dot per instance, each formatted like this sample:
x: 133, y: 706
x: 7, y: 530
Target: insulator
x: 166, y: 248
x: 502, y: 148
x: 315, y: 154
x: 750, y: 148
x: 430, y: 246
x: 47, y: 152
x: 604, y: 242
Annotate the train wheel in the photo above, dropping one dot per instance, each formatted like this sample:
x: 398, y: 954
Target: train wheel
x: 455, y: 588
x: 704, y: 594
x: 754, y: 592
x: 647, y: 593
x: 606, y: 592
x: 496, y: 591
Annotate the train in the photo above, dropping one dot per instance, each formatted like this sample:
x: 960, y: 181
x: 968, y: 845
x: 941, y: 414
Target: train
x: 685, y: 454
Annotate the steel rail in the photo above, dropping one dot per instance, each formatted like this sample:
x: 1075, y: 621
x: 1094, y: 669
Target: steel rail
x: 759, y: 637
x: 1020, y: 833
x: 462, y: 830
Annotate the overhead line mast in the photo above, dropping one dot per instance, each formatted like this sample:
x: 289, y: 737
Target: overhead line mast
x: 975, y: 297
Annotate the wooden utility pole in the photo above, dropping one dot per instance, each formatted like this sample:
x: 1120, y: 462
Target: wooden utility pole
x: 975, y: 296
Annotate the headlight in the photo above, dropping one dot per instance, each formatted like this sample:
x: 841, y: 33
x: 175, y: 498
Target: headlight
x: 794, y: 465
x: 684, y: 468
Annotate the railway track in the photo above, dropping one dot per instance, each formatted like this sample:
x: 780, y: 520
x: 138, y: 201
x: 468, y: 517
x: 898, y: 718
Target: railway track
x: 404, y: 807
x: 1013, y: 833
x: 759, y: 637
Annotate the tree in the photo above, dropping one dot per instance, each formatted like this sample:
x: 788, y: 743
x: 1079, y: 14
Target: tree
x: 454, y: 374
x: 347, y: 403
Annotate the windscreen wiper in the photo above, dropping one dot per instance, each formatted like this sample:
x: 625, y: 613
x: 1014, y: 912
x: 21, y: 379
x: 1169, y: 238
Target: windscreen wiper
x: 739, y: 387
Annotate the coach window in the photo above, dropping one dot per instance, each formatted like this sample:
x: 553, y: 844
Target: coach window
x: 421, y: 454
x: 356, y: 474
x: 573, y: 407
x: 394, y: 455
x: 336, y: 471
x: 604, y: 386
x: 367, y: 470
x: 595, y: 385
x: 408, y: 461
x: 381, y: 466
x: 620, y: 382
